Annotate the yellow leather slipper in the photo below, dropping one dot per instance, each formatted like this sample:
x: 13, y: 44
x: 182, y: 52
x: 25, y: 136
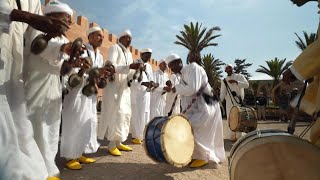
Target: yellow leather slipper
x: 198, y: 163
x: 115, y: 152
x: 86, y: 160
x: 73, y: 165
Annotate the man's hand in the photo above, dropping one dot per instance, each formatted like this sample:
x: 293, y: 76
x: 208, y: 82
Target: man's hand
x: 50, y: 25
x: 167, y: 89
x: 232, y: 81
x: 288, y: 76
x: 146, y: 84
x: 136, y: 65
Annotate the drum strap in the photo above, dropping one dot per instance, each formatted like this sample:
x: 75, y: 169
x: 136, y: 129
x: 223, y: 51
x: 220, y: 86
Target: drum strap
x: 195, y: 97
x: 173, y: 105
x: 232, y: 94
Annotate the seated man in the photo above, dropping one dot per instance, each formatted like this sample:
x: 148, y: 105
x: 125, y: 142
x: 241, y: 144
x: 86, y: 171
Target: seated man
x: 201, y: 109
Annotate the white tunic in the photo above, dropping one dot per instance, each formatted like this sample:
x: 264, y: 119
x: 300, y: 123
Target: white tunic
x: 205, y: 119
x: 239, y: 89
x: 116, y: 102
x: 79, y: 118
x: 170, y: 97
x: 140, y: 103
x: 43, y: 95
x: 20, y: 156
x: 158, y: 99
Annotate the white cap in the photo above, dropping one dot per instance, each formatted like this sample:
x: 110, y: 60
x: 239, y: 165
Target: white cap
x: 125, y: 33
x: 146, y: 50
x: 228, y: 65
x: 56, y: 6
x: 93, y: 29
x: 172, y: 57
x: 161, y: 61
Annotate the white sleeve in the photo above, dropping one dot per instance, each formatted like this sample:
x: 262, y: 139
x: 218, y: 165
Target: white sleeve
x: 113, y: 56
x: 242, y: 81
x: 5, y: 20
x: 190, y: 86
x: 223, y: 91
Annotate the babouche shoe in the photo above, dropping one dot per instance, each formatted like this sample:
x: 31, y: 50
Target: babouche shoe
x: 136, y: 141
x: 198, y: 163
x: 115, y: 152
x: 123, y: 147
x: 73, y: 164
x: 86, y: 160
x: 53, y: 178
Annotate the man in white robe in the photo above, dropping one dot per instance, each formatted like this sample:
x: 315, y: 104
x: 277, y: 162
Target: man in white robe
x: 140, y: 98
x: 236, y: 83
x: 173, y: 99
x: 116, y: 101
x: 43, y: 92
x: 202, y: 110
x: 20, y: 156
x: 158, y: 96
x: 79, y: 114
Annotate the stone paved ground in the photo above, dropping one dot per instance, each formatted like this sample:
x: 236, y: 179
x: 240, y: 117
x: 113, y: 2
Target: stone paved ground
x: 137, y: 165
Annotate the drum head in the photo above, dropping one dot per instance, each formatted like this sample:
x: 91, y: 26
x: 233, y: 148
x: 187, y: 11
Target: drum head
x: 234, y: 118
x: 177, y: 141
x: 278, y: 156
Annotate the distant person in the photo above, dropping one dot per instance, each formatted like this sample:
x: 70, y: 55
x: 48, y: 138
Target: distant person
x: 261, y: 102
x: 294, y: 93
x: 249, y: 98
x: 233, y: 93
x: 283, y: 105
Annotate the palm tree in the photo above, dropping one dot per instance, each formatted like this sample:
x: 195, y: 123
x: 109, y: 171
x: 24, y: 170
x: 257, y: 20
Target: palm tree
x: 195, y: 39
x: 275, y: 68
x: 308, y: 40
x: 213, y: 69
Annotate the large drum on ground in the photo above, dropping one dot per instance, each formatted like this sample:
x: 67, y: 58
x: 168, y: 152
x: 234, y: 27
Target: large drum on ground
x: 169, y: 139
x: 242, y: 119
x: 274, y: 155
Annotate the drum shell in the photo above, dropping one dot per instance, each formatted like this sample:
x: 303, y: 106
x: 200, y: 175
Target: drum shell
x: 245, y: 119
x: 273, y: 154
x: 158, y: 146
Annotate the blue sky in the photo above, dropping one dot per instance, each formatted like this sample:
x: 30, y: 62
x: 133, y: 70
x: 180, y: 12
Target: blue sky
x: 257, y: 30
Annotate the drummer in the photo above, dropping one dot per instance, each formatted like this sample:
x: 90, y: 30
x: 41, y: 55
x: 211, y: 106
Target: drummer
x: 306, y: 68
x: 203, y: 111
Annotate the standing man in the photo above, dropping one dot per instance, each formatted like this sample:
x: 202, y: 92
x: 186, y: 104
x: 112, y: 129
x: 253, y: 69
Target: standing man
x: 307, y: 67
x: 43, y: 92
x: 172, y: 106
x: 116, y: 103
x: 261, y: 102
x: 201, y: 109
x: 79, y: 125
x: 20, y: 156
x: 141, y: 99
x: 158, y: 97
x: 233, y: 93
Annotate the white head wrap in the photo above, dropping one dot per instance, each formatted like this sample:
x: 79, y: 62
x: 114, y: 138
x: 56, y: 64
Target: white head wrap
x: 146, y: 50
x: 56, y: 6
x: 228, y: 65
x: 93, y: 29
x: 125, y: 33
x: 172, y: 57
x: 161, y: 61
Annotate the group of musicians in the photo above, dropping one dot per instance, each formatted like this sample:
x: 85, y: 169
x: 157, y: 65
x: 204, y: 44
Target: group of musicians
x: 32, y: 106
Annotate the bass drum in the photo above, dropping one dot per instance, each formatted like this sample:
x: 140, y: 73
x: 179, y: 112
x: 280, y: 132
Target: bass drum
x: 170, y: 140
x: 274, y: 155
x: 242, y: 119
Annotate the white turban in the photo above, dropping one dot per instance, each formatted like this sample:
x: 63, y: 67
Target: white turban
x: 93, y: 29
x: 125, y: 33
x: 172, y: 57
x: 56, y: 6
x: 146, y: 50
x: 228, y: 65
x: 161, y: 61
